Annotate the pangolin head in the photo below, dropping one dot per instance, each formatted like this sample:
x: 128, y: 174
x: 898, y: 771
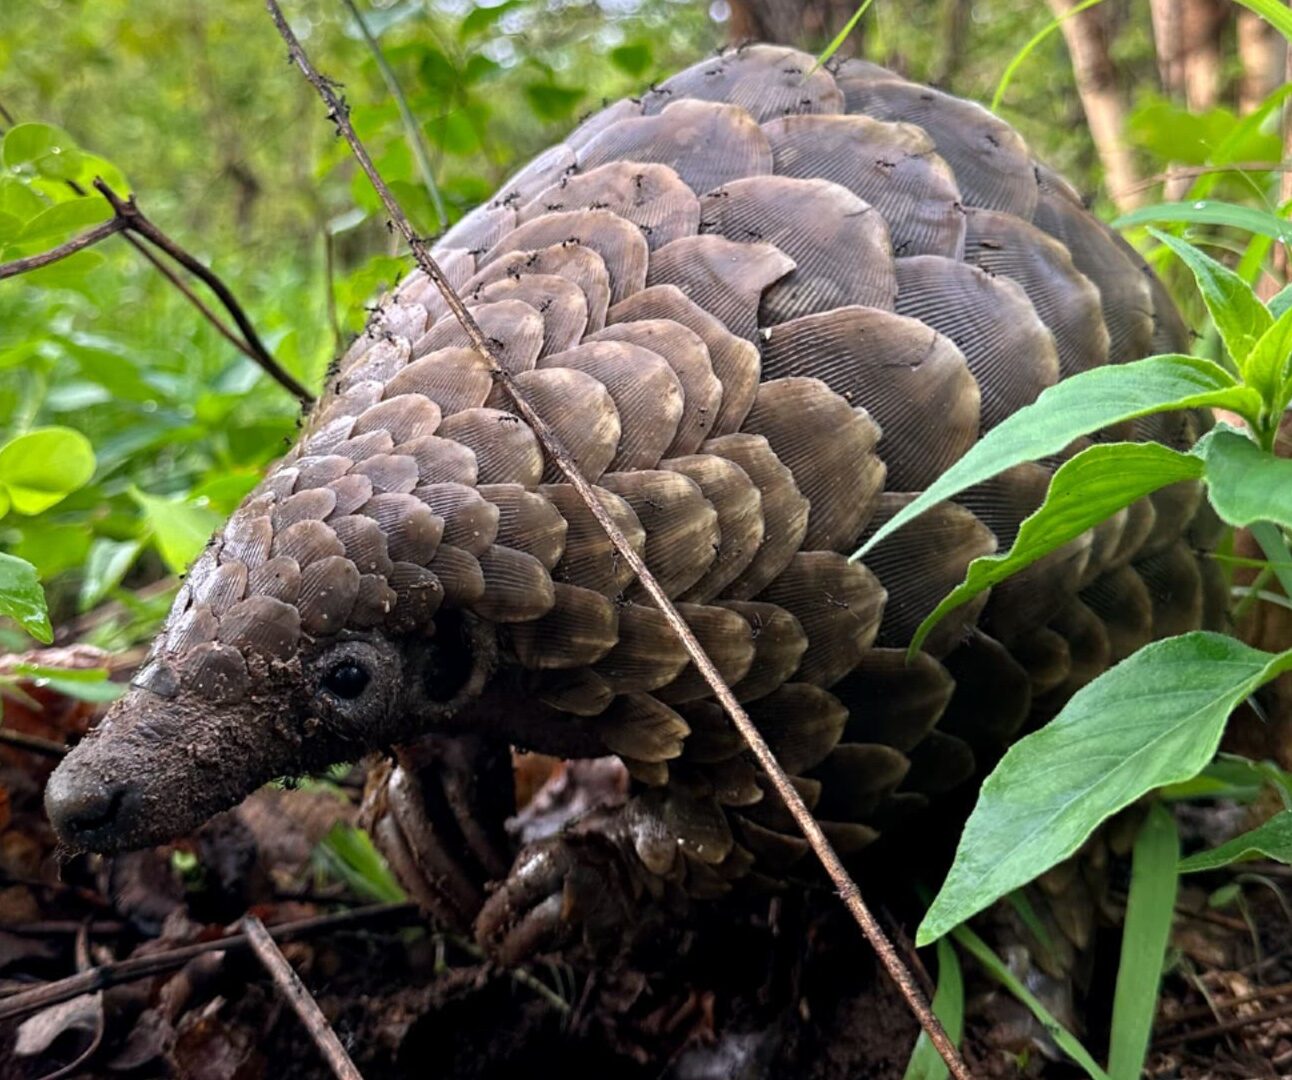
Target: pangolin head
x: 297, y: 641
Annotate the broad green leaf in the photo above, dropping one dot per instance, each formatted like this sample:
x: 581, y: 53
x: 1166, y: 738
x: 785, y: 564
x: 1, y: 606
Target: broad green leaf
x: 1208, y: 212
x: 18, y: 199
x: 1239, y: 316
x: 1246, y: 484
x: 481, y: 20
x: 1085, y: 491
x: 1154, y: 719
x: 1076, y: 406
x: 949, y: 1007
x: 44, y: 466
x: 179, y: 529
x: 1274, y: 13
x: 105, y: 566
x: 22, y: 599
x: 1266, y: 367
x: 1150, y: 909
x: 1273, y: 840
x: 551, y: 101
x: 60, y: 221
x: 1003, y: 974
x: 45, y: 149
x: 634, y: 58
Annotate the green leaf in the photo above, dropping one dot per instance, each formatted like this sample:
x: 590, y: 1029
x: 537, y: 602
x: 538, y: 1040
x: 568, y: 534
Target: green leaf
x: 63, y: 219
x: 1154, y: 719
x: 949, y: 1007
x: 1281, y: 301
x: 179, y: 529
x: 44, y: 149
x: 1239, y: 316
x: 1208, y: 212
x: 105, y: 566
x: 1001, y: 972
x: 1274, y: 13
x: 44, y: 466
x: 22, y: 599
x: 1273, y: 840
x: 1266, y: 367
x: 1084, y: 492
x: 551, y: 101
x: 634, y: 58
x: 480, y: 19
x: 1150, y: 909
x: 1246, y: 484
x: 1076, y: 406
x: 350, y: 855
x: 84, y: 684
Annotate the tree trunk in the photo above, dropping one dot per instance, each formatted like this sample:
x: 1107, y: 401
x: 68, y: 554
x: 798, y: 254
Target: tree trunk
x: 808, y: 24
x: 1087, y: 38
x: 1261, y: 49
x: 954, y: 27
x: 1187, y: 37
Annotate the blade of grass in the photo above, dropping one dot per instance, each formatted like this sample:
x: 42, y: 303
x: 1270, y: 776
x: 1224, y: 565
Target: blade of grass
x: 840, y: 37
x: 412, y: 132
x: 999, y: 970
x: 1149, y: 910
x: 948, y: 1006
x: 1272, y: 542
x: 1274, y: 13
x: 1026, y: 51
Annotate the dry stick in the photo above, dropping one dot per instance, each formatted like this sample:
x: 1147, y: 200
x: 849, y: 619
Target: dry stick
x: 141, y: 967
x: 338, y: 113
x: 136, y: 221
x: 33, y: 744
x: 290, y: 986
x: 1205, y: 1011
x: 1223, y: 1028
x: 71, y: 247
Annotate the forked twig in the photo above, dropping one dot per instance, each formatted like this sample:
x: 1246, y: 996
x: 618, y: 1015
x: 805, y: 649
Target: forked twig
x: 290, y: 986
x: 129, y: 220
x: 338, y: 112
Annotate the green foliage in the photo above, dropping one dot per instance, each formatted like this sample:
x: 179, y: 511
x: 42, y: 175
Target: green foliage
x: 348, y: 854
x: 1271, y: 840
x: 1150, y: 910
x: 22, y: 599
x: 1154, y: 719
x: 949, y: 1007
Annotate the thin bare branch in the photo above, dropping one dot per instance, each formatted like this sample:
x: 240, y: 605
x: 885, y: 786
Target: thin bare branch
x: 78, y: 243
x: 136, y: 221
x: 33, y: 744
x: 290, y: 986
x: 338, y: 112
x: 26, y: 1002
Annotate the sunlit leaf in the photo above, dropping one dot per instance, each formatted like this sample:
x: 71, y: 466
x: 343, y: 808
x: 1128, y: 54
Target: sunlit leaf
x: 1154, y: 719
x: 43, y: 149
x: 41, y: 468
x: 84, y: 684
x: 179, y: 529
x: 1077, y: 406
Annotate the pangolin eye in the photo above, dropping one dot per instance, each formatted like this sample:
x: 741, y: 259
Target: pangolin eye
x: 347, y: 680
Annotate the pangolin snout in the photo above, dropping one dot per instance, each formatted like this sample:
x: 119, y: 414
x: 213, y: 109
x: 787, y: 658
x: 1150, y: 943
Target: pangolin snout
x: 88, y: 810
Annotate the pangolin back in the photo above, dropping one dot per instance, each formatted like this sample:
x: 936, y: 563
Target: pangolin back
x: 762, y: 306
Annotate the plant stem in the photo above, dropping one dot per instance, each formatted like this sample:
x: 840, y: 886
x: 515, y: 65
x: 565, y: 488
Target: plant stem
x: 1272, y: 541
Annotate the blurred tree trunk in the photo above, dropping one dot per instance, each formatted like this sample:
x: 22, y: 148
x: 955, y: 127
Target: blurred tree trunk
x: 1261, y: 50
x: 954, y: 27
x: 809, y: 24
x: 1087, y: 37
x: 1186, y: 34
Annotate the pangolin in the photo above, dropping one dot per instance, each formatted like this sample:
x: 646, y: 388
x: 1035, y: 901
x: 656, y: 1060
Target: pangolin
x: 761, y: 305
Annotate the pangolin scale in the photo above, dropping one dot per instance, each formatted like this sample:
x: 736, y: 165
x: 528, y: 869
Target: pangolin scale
x: 761, y: 306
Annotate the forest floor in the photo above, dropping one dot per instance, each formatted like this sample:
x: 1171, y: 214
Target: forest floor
x: 783, y: 988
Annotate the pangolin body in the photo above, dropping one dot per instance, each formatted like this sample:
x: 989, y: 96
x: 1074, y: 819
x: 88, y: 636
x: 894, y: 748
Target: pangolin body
x: 761, y: 306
